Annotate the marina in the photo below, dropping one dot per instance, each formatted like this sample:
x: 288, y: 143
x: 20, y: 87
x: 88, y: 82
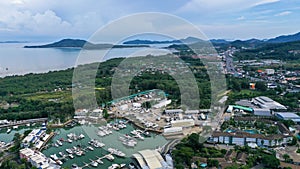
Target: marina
x: 81, y: 146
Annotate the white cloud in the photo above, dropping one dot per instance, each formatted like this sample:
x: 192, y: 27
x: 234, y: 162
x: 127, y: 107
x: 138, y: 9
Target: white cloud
x: 263, y: 2
x: 221, y: 6
x: 283, y: 13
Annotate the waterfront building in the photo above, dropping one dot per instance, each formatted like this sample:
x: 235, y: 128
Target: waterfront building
x: 34, y: 137
x: 150, y: 159
x: 37, y: 159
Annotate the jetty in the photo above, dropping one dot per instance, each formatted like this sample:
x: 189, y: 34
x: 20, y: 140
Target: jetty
x: 98, y: 158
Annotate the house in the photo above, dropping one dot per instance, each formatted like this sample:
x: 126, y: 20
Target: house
x: 269, y: 71
x: 230, y: 155
x: 241, y: 158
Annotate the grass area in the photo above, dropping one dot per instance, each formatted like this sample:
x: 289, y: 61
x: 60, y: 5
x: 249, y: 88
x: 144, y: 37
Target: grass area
x: 60, y: 95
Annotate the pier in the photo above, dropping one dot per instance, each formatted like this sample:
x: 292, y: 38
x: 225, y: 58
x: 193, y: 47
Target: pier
x: 98, y: 158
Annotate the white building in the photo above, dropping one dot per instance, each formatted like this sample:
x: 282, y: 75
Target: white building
x: 183, y: 123
x: 267, y: 103
x: 37, y: 159
x: 34, y: 138
x: 269, y: 71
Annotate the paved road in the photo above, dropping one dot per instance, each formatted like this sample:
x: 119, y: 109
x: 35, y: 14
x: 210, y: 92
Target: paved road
x: 166, y: 148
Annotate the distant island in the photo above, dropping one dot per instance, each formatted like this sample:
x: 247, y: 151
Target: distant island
x: 187, y: 40
x: 217, y: 42
x: 78, y: 43
x: 14, y: 41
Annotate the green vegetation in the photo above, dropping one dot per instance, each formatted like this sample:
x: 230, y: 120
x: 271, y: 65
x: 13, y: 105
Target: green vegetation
x: 280, y: 51
x: 191, y: 147
x: 268, y: 159
x: 49, y: 94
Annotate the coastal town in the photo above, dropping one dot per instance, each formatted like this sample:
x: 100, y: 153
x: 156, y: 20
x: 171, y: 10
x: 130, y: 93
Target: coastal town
x: 120, y: 136
x: 192, y: 84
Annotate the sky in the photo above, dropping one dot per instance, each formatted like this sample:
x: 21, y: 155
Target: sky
x: 50, y: 20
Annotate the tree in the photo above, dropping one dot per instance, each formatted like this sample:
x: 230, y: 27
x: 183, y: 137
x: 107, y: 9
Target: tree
x: 286, y: 157
x: 212, y: 163
x: 261, y: 86
x: 270, y: 161
x: 105, y: 113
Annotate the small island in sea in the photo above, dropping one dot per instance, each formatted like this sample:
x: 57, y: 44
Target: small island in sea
x: 78, y: 43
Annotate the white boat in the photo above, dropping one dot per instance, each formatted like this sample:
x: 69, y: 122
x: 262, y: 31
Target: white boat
x: 127, y: 136
x: 101, y: 133
x: 71, y: 136
x: 110, y: 157
x: 61, y: 154
x: 128, y: 143
x: 116, y: 152
x: 8, y: 130
x: 28, y: 124
x: 113, y: 166
x: 59, y: 142
x: 71, y: 156
x: 56, y: 145
x: 54, y: 157
x: 138, y: 136
x: 115, y: 128
x: 78, y: 153
x: 81, y: 136
x: 134, y: 132
x: 15, y: 127
x: 69, y: 140
x: 90, y: 148
x: 59, y: 162
x: 69, y: 151
x: 99, y: 161
x: 94, y: 163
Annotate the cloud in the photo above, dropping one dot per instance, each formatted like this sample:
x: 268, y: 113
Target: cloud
x: 263, y: 2
x: 221, y: 6
x: 283, y: 13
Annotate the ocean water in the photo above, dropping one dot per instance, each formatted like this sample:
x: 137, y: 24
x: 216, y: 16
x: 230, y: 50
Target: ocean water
x: 16, y: 60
